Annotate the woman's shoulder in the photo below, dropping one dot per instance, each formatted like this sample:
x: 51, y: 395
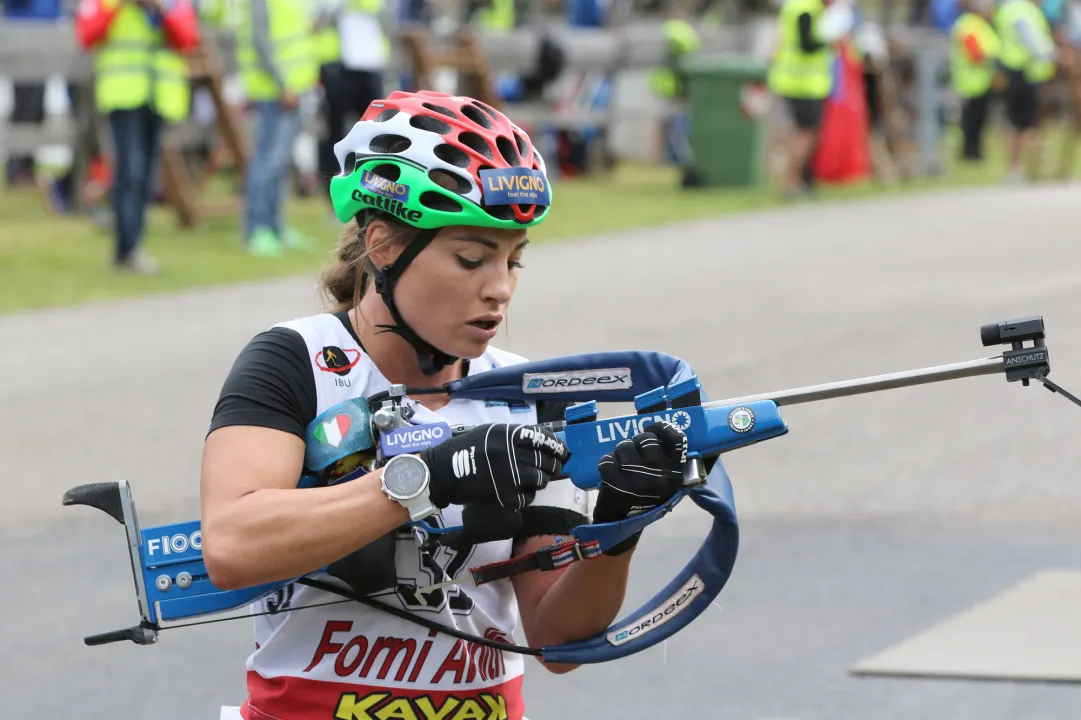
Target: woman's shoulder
x: 270, y: 383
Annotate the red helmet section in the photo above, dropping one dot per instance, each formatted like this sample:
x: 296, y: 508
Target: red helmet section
x: 481, y: 137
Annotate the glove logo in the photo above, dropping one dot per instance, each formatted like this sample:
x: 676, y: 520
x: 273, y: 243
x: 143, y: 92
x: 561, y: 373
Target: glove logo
x: 464, y: 463
x: 540, y: 440
x: 741, y: 419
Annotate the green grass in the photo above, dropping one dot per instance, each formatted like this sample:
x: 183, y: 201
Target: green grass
x: 50, y: 261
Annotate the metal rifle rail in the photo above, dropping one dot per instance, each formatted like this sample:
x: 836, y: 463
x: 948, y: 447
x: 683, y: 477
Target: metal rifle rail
x: 874, y: 383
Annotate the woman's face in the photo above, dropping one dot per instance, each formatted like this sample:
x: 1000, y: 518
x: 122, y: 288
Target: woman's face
x: 456, y: 292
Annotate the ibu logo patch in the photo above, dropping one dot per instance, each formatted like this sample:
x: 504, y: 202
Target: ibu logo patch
x: 400, y: 441
x: 381, y: 186
x: 515, y: 186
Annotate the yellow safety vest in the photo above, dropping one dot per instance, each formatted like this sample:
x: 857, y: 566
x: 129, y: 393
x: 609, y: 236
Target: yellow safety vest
x: 973, y: 79
x: 328, y: 41
x: 134, y: 67
x: 1015, y: 56
x: 220, y: 13
x: 499, y: 18
x: 294, y: 52
x: 794, y: 73
x: 682, y: 40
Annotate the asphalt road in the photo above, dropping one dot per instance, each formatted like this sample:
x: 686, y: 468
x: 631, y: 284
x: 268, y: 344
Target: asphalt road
x: 876, y: 517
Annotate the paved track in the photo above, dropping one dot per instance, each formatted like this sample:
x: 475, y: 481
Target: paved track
x: 875, y: 518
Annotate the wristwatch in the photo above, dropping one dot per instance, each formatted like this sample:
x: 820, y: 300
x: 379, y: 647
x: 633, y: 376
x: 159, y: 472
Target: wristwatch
x: 405, y: 481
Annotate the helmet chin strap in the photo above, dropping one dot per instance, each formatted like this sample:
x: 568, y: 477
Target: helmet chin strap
x: 431, y: 358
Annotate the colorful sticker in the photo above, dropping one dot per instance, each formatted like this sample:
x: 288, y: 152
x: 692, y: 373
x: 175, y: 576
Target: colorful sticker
x: 401, y: 441
x: 515, y: 186
x: 381, y: 186
x: 741, y: 419
x: 332, y: 431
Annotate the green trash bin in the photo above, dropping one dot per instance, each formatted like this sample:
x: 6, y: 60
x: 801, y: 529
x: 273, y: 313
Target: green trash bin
x: 727, y: 110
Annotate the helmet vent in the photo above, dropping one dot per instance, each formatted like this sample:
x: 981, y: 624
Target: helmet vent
x: 429, y: 123
x: 474, y: 114
x: 350, y: 163
x: 451, y: 181
x: 388, y: 171
x: 506, y: 149
x: 439, y: 201
x: 523, y: 147
x: 452, y: 155
x: 441, y: 110
x: 476, y: 142
x: 500, y: 212
x: 385, y: 115
x: 485, y: 108
x: 389, y: 143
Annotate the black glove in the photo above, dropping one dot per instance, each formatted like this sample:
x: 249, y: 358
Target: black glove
x: 640, y: 474
x: 497, y: 464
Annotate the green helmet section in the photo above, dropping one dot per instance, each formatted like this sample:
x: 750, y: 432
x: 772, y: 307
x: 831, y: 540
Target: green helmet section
x: 416, y: 199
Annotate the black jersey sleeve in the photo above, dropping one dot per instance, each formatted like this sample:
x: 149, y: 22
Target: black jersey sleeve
x: 270, y: 385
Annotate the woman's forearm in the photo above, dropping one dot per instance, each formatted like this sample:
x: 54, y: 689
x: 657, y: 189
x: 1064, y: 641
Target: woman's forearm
x: 277, y: 534
x: 562, y: 614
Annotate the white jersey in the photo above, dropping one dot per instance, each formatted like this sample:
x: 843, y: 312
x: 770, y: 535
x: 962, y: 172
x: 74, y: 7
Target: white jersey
x: 352, y: 662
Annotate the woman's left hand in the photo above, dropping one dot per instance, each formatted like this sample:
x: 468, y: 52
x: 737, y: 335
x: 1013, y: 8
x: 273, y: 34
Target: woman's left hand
x: 640, y: 474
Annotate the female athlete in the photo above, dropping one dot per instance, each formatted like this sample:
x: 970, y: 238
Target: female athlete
x: 446, y: 187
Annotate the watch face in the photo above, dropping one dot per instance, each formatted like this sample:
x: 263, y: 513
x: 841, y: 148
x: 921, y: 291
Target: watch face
x: 405, y: 475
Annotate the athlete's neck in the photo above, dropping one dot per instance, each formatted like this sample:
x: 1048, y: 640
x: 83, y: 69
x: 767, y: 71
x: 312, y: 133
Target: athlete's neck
x: 395, y: 357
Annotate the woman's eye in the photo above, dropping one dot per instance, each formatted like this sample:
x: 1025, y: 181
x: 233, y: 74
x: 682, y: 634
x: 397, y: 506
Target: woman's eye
x: 469, y: 264
x: 515, y: 264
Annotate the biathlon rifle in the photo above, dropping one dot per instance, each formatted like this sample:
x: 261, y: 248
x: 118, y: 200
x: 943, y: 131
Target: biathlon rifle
x: 172, y: 584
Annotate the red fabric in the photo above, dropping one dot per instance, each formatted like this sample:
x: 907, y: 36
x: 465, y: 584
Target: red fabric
x: 975, y: 52
x: 479, y: 123
x: 301, y: 698
x: 180, y: 25
x: 843, y: 153
x: 92, y: 22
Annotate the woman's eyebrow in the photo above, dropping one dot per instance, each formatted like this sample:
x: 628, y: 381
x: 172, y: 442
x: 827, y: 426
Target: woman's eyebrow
x: 480, y: 240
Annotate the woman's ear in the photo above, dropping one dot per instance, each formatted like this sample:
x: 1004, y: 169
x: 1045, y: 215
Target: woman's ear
x: 379, y: 244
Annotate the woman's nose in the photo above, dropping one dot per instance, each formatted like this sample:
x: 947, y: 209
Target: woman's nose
x: 499, y: 288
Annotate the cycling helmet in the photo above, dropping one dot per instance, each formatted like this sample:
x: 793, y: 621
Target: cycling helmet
x: 428, y: 160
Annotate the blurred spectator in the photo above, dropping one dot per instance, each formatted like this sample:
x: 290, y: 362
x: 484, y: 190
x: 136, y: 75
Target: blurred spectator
x: 1028, y: 54
x: 802, y: 74
x: 278, y: 65
x: 353, y: 51
x: 495, y: 16
x: 669, y: 83
x: 141, y: 84
x: 974, y: 54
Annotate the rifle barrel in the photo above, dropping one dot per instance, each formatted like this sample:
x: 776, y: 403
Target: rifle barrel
x: 875, y: 383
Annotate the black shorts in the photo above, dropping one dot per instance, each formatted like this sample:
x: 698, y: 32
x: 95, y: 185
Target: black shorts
x: 805, y: 112
x: 1021, y: 101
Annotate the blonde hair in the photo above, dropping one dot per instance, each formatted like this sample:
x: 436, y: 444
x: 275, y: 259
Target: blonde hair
x: 345, y: 281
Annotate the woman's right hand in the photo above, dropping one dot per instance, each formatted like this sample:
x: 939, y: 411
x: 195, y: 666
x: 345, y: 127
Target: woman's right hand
x: 494, y: 464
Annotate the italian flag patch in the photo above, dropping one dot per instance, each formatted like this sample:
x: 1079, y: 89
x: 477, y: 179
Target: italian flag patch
x: 332, y: 431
